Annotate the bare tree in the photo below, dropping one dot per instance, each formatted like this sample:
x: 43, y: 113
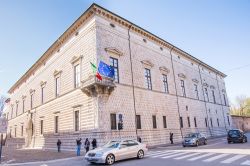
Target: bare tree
x: 242, y: 106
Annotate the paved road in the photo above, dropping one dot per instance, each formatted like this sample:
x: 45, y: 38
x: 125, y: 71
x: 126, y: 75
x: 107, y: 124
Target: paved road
x: 217, y: 152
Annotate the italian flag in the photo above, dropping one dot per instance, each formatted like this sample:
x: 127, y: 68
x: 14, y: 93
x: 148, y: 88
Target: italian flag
x: 94, y: 69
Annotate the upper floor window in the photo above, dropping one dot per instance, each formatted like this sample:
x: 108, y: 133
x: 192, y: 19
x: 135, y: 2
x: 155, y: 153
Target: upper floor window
x: 114, y: 64
x: 16, y: 109
x: 165, y: 83
x: 23, y: 105
x: 206, y: 122
x: 77, y: 79
x: 213, y: 96
x: 206, y: 93
x: 218, y: 123
x: 57, y: 86
x: 12, y: 109
x: 196, y: 91
x: 31, y: 100
x: 188, y: 119
x: 183, y: 88
x: 224, y: 98
x: 211, y: 121
x: 42, y: 95
x: 148, y: 79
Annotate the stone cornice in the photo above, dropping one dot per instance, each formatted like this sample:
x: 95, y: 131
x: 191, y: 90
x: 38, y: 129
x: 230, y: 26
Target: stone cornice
x: 95, y: 9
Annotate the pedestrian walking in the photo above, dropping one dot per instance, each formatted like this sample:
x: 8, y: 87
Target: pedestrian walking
x: 139, y: 139
x: 171, y: 137
x: 58, y: 145
x: 94, y: 143
x: 87, y: 144
x: 78, y: 146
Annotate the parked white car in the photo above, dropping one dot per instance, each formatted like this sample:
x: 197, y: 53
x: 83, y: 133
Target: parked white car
x: 117, y: 150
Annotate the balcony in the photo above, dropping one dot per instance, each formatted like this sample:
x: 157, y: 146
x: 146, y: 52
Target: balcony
x: 95, y: 87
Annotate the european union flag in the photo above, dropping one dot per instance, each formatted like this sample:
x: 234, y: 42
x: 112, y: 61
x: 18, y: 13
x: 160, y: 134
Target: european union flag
x: 106, y: 70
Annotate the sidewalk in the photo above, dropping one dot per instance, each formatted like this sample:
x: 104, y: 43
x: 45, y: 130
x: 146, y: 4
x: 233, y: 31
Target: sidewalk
x: 12, y: 155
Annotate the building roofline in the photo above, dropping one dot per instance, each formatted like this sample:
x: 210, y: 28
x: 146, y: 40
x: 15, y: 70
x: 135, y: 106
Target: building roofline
x: 72, y: 28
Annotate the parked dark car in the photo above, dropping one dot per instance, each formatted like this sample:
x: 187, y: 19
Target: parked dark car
x: 236, y: 135
x: 194, y: 139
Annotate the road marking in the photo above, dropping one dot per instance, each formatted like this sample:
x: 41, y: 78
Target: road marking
x: 157, y: 152
x: 174, y: 155
x: 247, y: 162
x: 215, y: 157
x: 234, y: 158
x: 186, y: 156
x: 202, y: 156
x: 163, y: 154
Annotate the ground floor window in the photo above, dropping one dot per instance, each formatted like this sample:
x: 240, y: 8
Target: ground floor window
x: 181, y: 122
x: 113, y: 121
x: 206, y: 122
x: 164, y: 122
x: 218, y: 123
x: 56, y: 123
x: 21, y: 131
x: 195, y: 123
x: 41, y: 127
x: 77, y: 124
x: 211, y: 121
x: 188, y: 119
x: 138, y: 121
x: 154, y: 121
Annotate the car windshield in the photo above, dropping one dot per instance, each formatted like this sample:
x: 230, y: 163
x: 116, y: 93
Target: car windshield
x: 112, y: 144
x: 192, y: 135
x: 234, y: 132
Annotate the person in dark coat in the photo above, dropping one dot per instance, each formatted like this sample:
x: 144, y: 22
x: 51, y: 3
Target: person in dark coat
x: 87, y: 144
x: 171, y: 137
x: 94, y: 143
x: 78, y: 144
x: 139, y: 139
x: 59, y: 145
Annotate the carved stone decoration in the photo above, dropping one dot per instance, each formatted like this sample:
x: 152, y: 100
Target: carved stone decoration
x: 32, y: 91
x: 181, y: 75
x: 164, y: 70
x: 57, y: 72
x: 28, y: 127
x: 195, y: 80
x: 113, y: 50
x: 147, y: 64
x: 205, y: 84
x: 43, y: 83
x: 212, y: 87
x: 75, y: 59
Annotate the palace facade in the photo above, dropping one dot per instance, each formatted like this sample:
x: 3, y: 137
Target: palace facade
x: 158, y: 88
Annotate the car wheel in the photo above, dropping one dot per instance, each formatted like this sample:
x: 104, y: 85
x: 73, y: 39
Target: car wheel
x: 245, y: 139
x: 205, y: 142
x: 197, y: 143
x: 228, y: 142
x: 184, y: 146
x: 110, y: 159
x: 140, y: 154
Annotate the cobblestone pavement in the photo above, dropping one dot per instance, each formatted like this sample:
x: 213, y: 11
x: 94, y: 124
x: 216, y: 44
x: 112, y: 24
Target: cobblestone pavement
x: 11, y: 155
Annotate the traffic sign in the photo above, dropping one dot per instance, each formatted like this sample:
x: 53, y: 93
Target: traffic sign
x: 3, y: 125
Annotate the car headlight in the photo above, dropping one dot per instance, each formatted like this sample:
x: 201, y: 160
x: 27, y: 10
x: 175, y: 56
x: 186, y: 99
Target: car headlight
x: 193, y: 140
x: 99, y: 154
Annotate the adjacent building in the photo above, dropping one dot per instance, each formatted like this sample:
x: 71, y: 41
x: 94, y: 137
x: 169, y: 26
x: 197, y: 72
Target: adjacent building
x: 157, y: 89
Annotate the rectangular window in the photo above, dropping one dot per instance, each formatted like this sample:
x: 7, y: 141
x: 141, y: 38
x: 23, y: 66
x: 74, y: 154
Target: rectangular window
x: 12, y: 109
x: 56, y: 124
x: 16, y: 109
x: 211, y: 121
x: 113, y: 121
x: 196, y: 91
x: 206, y: 93
x: 206, y: 122
x: 31, y: 101
x: 165, y: 83
x: 148, y: 79
x: 42, y: 93
x: 164, y: 122
x: 225, y: 101
x: 228, y: 120
x: 23, y: 105
x: 154, y: 121
x: 77, y: 124
x: 188, y: 119
x: 57, y: 82
x: 181, y: 122
x: 213, y: 96
x: 138, y: 121
x: 10, y: 133
x: 218, y: 123
x: 15, y: 132
x: 21, y: 131
x: 114, y: 64
x: 77, y: 79
x: 195, y: 123
x: 183, y: 88
x: 41, y: 127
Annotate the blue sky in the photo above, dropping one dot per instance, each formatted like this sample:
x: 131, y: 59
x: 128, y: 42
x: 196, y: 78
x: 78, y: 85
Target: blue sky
x: 216, y: 32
